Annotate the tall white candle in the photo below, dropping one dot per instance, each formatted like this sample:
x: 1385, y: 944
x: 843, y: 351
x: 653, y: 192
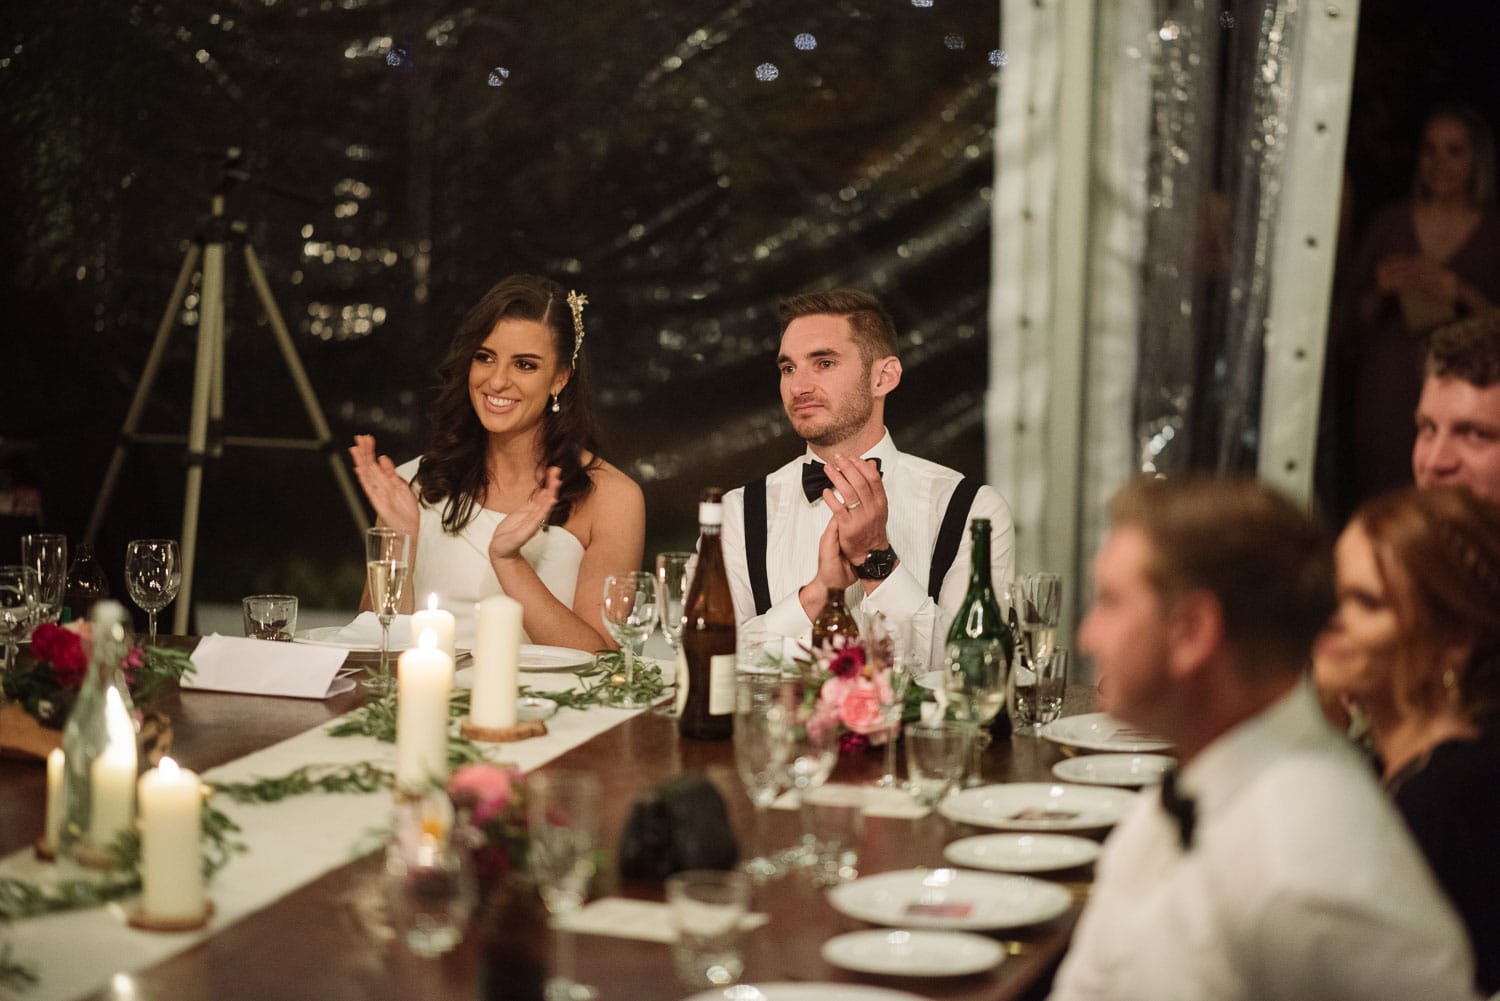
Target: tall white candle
x: 440, y: 621
x: 112, y: 776
x: 497, y: 662
x: 55, y: 806
x: 424, y: 677
x: 171, y: 873
x: 112, y: 795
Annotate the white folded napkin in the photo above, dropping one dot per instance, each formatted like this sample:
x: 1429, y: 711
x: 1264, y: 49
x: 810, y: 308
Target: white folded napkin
x: 262, y: 667
x: 621, y: 917
x: 876, y: 801
x: 364, y: 633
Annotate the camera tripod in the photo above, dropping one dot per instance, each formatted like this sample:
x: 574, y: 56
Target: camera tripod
x: 205, y: 438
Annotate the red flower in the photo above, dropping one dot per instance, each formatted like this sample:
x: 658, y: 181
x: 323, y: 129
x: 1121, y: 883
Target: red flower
x: 63, y: 649
x: 848, y: 662
x: 853, y: 743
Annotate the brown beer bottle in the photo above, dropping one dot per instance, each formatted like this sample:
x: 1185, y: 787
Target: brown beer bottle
x: 834, y: 619
x: 706, y: 670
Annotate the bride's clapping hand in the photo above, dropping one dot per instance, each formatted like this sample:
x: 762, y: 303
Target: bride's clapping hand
x: 520, y: 525
x: 390, y: 495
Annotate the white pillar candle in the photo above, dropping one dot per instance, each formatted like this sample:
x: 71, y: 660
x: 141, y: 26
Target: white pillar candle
x: 424, y: 678
x: 497, y: 661
x: 111, y: 795
x: 55, y: 806
x: 440, y: 621
x: 171, y: 871
x: 112, y: 775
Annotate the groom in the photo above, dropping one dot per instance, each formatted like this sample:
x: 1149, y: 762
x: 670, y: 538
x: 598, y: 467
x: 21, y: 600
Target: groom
x: 853, y: 511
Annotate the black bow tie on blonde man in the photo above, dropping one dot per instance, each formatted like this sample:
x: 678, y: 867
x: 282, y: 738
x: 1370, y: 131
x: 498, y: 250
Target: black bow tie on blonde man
x: 1180, y: 807
x: 815, y: 480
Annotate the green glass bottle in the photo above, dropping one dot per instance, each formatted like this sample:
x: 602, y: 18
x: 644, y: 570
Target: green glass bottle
x: 980, y: 644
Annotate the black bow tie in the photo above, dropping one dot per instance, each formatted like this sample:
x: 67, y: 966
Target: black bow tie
x: 1180, y: 808
x: 815, y: 479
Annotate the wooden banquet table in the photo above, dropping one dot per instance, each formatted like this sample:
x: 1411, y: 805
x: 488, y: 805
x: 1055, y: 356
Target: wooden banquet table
x: 316, y: 942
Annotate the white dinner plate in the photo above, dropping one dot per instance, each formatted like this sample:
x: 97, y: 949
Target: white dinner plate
x: 957, y: 899
x: 1038, y: 806
x: 1100, y: 732
x: 336, y: 637
x: 1022, y: 852
x: 901, y: 952
x: 1128, y: 770
x: 553, y: 658
x: 804, y: 992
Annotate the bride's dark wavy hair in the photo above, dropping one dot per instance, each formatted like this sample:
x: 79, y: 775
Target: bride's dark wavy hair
x: 453, y: 468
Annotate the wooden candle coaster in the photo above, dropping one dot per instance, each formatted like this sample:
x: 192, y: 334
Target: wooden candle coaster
x: 145, y: 922
x: 44, y: 851
x: 502, y: 734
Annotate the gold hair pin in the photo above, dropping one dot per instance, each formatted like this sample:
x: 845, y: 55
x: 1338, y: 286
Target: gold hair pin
x: 576, y: 303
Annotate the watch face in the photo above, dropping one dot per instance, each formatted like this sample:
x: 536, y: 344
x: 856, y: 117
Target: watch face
x: 877, y: 566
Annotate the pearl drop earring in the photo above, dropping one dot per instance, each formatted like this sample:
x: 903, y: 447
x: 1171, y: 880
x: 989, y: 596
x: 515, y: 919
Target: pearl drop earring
x: 555, y: 405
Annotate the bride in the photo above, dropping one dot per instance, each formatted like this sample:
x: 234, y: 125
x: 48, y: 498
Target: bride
x: 511, y: 496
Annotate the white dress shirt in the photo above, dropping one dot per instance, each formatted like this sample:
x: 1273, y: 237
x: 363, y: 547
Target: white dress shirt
x: 917, y: 492
x: 1301, y: 883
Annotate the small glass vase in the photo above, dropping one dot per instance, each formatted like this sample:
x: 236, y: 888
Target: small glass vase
x: 430, y: 886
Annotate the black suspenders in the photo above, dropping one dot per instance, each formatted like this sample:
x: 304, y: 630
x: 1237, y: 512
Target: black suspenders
x: 944, y: 549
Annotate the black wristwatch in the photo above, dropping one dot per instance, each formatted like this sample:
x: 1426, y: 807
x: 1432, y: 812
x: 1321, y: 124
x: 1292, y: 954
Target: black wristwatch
x: 878, y: 565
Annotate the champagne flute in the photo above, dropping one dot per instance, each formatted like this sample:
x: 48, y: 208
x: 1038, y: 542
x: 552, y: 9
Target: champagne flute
x: 388, y: 563
x: 153, y: 573
x: 629, y: 612
x: 673, y: 575
x: 562, y: 809
x: 18, y: 607
x: 761, y: 753
x: 47, y: 554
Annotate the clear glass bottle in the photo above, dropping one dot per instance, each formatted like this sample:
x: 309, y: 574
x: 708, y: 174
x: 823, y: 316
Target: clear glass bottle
x: 99, y: 748
x: 707, y: 663
x: 980, y: 644
x: 86, y: 584
x: 834, y: 619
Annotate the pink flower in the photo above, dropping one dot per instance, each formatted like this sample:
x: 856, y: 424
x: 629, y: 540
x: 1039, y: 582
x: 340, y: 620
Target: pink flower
x: 860, y: 709
x: 484, y: 789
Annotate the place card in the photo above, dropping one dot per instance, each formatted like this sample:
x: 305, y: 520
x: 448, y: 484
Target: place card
x: 620, y: 917
x: 255, y: 667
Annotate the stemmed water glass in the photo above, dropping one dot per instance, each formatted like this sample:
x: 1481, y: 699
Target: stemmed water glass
x: 388, y: 564
x: 47, y: 554
x: 761, y: 753
x: 153, y: 573
x: 672, y: 578
x: 976, y: 686
x: 894, y: 662
x: 18, y: 606
x: 562, y: 809
x: 629, y: 612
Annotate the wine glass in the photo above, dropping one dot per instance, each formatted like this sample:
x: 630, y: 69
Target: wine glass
x: 1036, y: 600
x: 18, y: 606
x: 761, y: 753
x: 629, y: 612
x: 562, y: 809
x: 673, y: 575
x: 895, y: 663
x: 153, y: 573
x: 47, y: 554
x: 387, y: 564
x: 975, y: 680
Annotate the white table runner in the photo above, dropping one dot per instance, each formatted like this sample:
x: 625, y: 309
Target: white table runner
x: 291, y: 843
